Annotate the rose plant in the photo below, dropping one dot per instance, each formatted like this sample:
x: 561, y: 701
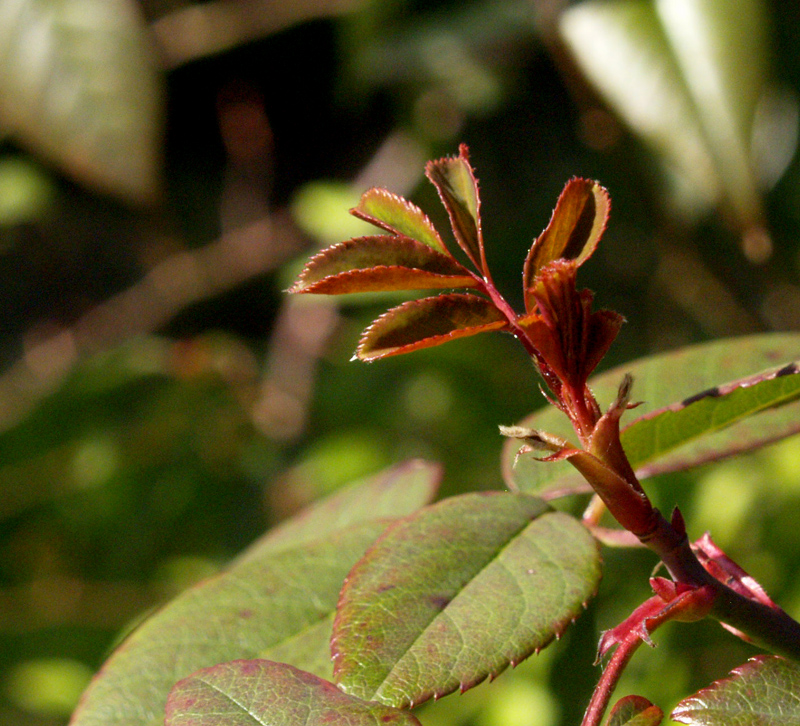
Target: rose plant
x: 374, y: 600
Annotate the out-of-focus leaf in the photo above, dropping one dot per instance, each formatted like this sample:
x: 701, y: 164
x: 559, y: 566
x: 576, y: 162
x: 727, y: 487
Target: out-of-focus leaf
x: 394, y: 492
x: 663, y: 380
x: 622, y: 49
x: 686, y: 76
x: 395, y: 214
x: 280, y: 602
x: 481, y: 580
x: 721, y: 47
x: 26, y: 191
x: 575, y: 228
x: 244, y: 692
x: 455, y: 181
x: 428, y: 322
x: 385, y: 262
x: 634, y: 711
x: 765, y: 690
x: 80, y: 86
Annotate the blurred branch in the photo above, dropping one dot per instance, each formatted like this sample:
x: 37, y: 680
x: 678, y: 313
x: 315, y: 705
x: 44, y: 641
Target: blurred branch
x: 181, y: 280
x: 212, y: 27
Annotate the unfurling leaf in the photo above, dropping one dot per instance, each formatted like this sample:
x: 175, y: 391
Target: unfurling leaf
x: 399, y: 216
x: 634, y: 711
x: 455, y: 181
x: 570, y: 338
x: 428, y: 322
x: 577, y: 224
x: 244, y: 692
x: 762, y: 691
x: 383, y: 262
x: 456, y: 593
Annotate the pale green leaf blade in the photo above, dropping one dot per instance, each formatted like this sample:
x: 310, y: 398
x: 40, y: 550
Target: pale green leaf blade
x: 765, y: 691
x: 394, y: 492
x: 80, y: 85
x: 667, y: 379
x: 482, y: 580
x: 276, y: 605
x: 395, y: 214
x: 244, y: 692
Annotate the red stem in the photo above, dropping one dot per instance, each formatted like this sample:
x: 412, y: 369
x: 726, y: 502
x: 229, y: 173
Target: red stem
x: 608, y: 681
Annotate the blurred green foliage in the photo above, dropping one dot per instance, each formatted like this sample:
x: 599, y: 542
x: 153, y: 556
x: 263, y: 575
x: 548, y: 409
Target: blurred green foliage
x: 162, y: 402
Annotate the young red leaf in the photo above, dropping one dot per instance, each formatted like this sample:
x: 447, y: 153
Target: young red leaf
x: 428, y: 322
x: 577, y: 224
x: 571, y: 338
x: 383, y: 262
x: 455, y: 181
x: 634, y: 711
x: 399, y: 216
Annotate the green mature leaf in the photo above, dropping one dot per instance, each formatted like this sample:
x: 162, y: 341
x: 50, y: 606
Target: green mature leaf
x: 634, y: 711
x: 765, y: 691
x: 399, y: 216
x: 277, y: 601
x: 395, y: 492
x: 260, y: 691
x: 455, y: 181
x: 457, y: 592
x: 650, y: 437
x: 384, y: 262
x: 80, y: 85
x: 274, y: 604
x: 428, y: 322
x: 577, y: 224
x: 690, y: 434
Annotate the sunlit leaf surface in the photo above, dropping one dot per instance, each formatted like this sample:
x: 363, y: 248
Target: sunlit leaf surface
x: 395, y: 214
x: 383, y: 262
x: 765, y: 691
x: 457, y: 592
x: 428, y: 322
x: 721, y: 47
x: 686, y: 76
x: 693, y: 431
x: 622, y: 49
x: 244, y: 692
x: 80, y: 86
